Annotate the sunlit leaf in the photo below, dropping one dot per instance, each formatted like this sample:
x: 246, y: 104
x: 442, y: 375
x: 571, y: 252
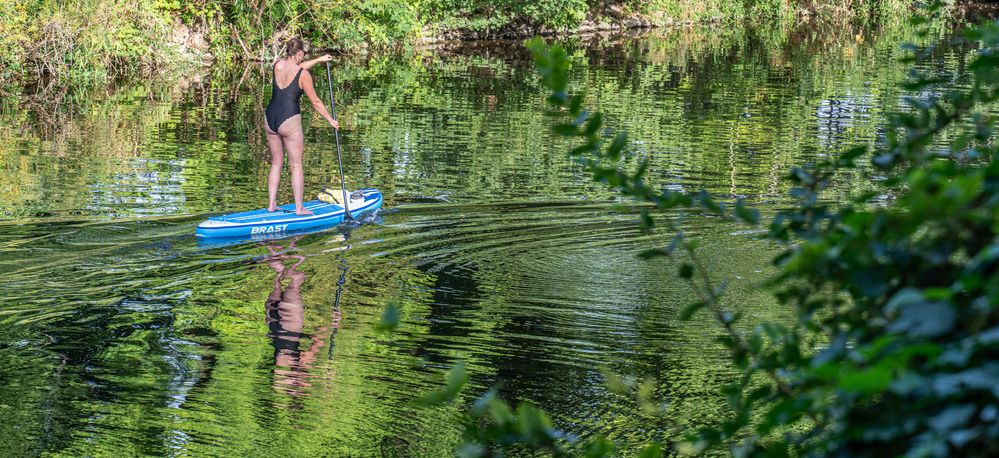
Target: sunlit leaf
x: 455, y: 381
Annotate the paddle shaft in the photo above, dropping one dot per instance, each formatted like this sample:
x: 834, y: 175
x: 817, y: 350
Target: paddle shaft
x: 336, y: 133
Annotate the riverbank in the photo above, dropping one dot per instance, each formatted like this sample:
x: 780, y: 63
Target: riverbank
x: 94, y: 41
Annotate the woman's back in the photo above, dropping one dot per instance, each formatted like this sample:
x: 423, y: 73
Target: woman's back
x: 285, y: 94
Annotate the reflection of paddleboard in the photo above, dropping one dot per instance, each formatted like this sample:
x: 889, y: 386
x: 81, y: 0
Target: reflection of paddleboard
x: 264, y: 223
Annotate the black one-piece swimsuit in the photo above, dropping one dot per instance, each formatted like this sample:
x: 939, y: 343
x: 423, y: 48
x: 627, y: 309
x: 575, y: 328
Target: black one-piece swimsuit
x: 284, y: 102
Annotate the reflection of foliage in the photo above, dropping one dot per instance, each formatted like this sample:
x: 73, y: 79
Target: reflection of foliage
x: 732, y: 106
x: 184, y: 361
x: 892, y: 347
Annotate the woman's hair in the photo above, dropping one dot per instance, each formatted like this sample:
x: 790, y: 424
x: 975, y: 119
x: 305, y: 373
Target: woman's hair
x: 293, y: 46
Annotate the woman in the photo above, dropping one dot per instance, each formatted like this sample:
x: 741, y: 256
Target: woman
x: 283, y: 122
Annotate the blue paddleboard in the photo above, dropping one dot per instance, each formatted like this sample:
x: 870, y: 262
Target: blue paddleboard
x: 264, y: 223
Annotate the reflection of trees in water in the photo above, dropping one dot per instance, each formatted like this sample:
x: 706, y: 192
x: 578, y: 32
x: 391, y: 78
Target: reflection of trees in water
x: 718, y: 107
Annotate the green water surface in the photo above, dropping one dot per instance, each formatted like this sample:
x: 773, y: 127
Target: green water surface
x: 123, y: 335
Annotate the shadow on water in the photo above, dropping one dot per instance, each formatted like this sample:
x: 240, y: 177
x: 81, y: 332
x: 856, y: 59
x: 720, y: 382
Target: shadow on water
x: 121, y: 334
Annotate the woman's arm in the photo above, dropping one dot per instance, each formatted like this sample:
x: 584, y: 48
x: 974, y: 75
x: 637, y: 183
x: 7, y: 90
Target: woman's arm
x: 306, y: 82
x: 310, y: 63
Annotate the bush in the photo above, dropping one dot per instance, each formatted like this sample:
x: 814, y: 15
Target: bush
x: 94, y: 41
x: 894, y: 347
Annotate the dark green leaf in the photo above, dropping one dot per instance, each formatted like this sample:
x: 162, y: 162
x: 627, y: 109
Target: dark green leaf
x: 652, y: 253
x: 565, y: 130
x: 647, y: 222
x: 748, y: 215
x: 847, y: 158
x: 687, y: 312
x: 575, y: 105
x: 707, y: 202
x: 686, y: 270
x: 617, y: 146
x: 594, y: 124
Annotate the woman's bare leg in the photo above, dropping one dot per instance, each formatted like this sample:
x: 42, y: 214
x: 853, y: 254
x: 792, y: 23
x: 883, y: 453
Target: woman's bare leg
x: 294, y: 143
x: 276, y: 146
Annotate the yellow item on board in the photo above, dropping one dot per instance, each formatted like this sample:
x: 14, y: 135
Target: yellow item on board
x: 331, y: 196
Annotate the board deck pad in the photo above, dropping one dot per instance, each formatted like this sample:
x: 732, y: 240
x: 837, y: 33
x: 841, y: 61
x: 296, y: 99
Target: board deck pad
x: 264, y: 223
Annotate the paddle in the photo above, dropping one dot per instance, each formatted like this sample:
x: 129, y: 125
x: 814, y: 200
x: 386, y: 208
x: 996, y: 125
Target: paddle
x: 336, y: 133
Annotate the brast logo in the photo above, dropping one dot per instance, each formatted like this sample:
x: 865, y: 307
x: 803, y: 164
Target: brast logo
x: 268, y: 229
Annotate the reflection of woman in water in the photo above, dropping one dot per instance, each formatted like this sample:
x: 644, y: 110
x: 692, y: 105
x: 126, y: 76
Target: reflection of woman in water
x: 285, y: 317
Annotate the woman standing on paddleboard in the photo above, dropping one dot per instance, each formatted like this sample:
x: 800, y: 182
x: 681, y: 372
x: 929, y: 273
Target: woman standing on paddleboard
x: 283, y: 120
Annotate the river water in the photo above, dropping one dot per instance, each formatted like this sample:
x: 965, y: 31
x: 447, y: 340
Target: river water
x: 121, y: 334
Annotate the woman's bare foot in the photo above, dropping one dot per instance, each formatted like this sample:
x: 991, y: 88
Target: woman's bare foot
x: 303, y: 212
x: 272, y: 208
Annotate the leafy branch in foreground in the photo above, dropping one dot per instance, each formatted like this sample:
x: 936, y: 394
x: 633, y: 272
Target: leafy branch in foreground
x: 897, y: 330
x: 893, y: 348
x: 494, y: 428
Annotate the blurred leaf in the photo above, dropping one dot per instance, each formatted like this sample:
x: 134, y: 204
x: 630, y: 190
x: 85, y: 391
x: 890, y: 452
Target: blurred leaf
x: 617, y: 146
x: 873, y: 380
x: 616, y: 383
x: 652, y: 253
x: 847, y: 158
x: 594, y: 124
x: 653, y: 450
x: 390, y: 318
x: 575, y: 105
x: 598, y: 447
x: 687, y: 312
x: 455, y: 380
x: 747, y: 215
x: 686, y: 270
x: 674, y: 243
x: 565, y: 130
x: 707, y: 202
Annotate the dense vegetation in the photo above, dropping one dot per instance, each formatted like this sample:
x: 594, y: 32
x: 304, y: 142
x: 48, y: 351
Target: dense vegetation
x: 895, y: 293
x: 93, y: 40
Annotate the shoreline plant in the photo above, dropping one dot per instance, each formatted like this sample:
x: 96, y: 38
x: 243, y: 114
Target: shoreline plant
x: 892, y: 349
x: 97, y: 41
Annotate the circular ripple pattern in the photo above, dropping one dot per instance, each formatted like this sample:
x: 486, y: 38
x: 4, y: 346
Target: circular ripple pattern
x: 121, y: 335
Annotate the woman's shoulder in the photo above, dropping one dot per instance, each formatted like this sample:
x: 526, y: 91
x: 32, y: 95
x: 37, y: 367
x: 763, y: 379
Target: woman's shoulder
x: 283, y: 65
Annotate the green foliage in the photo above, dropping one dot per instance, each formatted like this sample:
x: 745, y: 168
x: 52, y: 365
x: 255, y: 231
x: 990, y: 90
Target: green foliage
x: 824, y: 8
x: 92, y: 41
x: 893, y: 348
x: 13, y: 40
x: 499, y: 14
x: 99, y: 40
